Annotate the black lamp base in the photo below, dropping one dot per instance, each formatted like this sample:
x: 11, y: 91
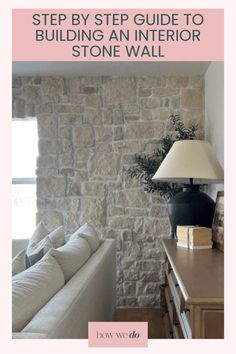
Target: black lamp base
x: 190, y: 207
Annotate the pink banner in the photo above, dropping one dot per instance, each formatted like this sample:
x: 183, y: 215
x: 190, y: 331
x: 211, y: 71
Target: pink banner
x: 118, y: 35
x: 118, y: 334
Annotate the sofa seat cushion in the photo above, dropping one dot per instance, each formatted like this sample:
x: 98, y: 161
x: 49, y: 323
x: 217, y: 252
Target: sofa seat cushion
x: 87, y: 232
x: 33, y: 288
x: 72, y: 256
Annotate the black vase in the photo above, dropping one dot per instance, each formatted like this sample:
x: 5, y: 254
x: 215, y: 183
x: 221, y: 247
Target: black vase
x: 190, y: 207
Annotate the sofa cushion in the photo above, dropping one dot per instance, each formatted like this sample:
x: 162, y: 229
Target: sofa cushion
x: 89, y: 234
x: 57, y: 237
x: 33, y: 288
x: 71, y: 256
x: 33, y: 258
x: 18, y: 263
x: 45, y: 244
x: 39, y: 233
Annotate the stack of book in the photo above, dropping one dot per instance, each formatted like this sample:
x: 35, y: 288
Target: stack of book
x: 194, y: 237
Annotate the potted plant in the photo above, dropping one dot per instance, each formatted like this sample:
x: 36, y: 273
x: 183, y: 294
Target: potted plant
x: 145, y: 165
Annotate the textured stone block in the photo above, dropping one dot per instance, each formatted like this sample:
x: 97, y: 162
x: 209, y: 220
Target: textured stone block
x: 83, y: 136
x: 127, y: 235
x: 136, y: 198
x: 151, y: 102
x: 32, y: 94
x: 81, y: 154
x: 149, y: 276
x: 90, y: 89
x: 47, y: 161
x: 131, y: 275
x: 94, y: 189
x: 129, y: 288
x: 107, y: 116
x: 144, y: 92
x: 30, y: 110
x: 148, y: 301
x: 196, y: 82
x: 118, y: 133
x: 93, y: 211
x: 120, y: 91
x: 103, y: 133
x: 118, y: 116
x: 93, y: 101
x: 65, y: 160
x: 93, y: 116
x: 151, y: 81
x: 192, y: 99
x: 74, y: 85
x: 115, y: 211
x: 47, y: 126
x: 45, y: 108
x: 71, y: 221
x: 121, y: 222
x: 68, y: 108
x: 158, y: 210
x: 148, y: 264
x: 132, y: 250
x: 178, y: 81
x: 18, y: 109
x: 51, y: 186
x: 164, y: 92
x: 144, y: 130
x: 136, y: 212
x: 68, y: 119
x: 74, y: 189
x: 52, y: 86
x: 16, y: 82
x: 104, y: 164
x: 130, y: 109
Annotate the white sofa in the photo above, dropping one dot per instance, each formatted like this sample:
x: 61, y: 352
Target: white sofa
x: 88, y: 296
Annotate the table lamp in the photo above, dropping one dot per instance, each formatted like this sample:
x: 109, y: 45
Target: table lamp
x: 190, y: 163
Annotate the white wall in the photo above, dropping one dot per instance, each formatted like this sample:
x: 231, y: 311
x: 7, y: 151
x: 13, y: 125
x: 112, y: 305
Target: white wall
x: 214, y: 114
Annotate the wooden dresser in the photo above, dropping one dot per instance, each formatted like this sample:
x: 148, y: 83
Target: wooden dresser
x: 193, y: 304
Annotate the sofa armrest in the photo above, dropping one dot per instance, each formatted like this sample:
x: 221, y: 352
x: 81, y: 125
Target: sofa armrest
x: 18, y: 245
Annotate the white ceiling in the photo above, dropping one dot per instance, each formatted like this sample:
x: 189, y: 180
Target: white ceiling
x: 108, y: 68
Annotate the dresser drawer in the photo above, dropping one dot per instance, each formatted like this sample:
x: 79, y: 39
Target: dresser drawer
x: 177, y: 332
x: 169, y: 302
x: 168, y: 327
x: 175, y: 291
x: 195, y: 283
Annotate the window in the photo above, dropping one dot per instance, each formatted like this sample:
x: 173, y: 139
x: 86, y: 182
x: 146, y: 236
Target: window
x: 24, y: 155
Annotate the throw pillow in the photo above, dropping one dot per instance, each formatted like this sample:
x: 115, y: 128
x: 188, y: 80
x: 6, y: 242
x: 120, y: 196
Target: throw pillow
x: 39, y: 233
x: 71, y: 256
x: 45, y: 244
x: 57, y: 237
x: 33, y: 288
x: 18, y: 263
x: 89, y: 234
x: 67, y: 237
x: 33, y: 258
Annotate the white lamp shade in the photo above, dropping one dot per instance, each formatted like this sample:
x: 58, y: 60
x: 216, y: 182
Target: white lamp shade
x: 190, y: 159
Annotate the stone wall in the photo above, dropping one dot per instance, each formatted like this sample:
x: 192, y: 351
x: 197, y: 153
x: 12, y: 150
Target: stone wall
x: 89, y: 130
